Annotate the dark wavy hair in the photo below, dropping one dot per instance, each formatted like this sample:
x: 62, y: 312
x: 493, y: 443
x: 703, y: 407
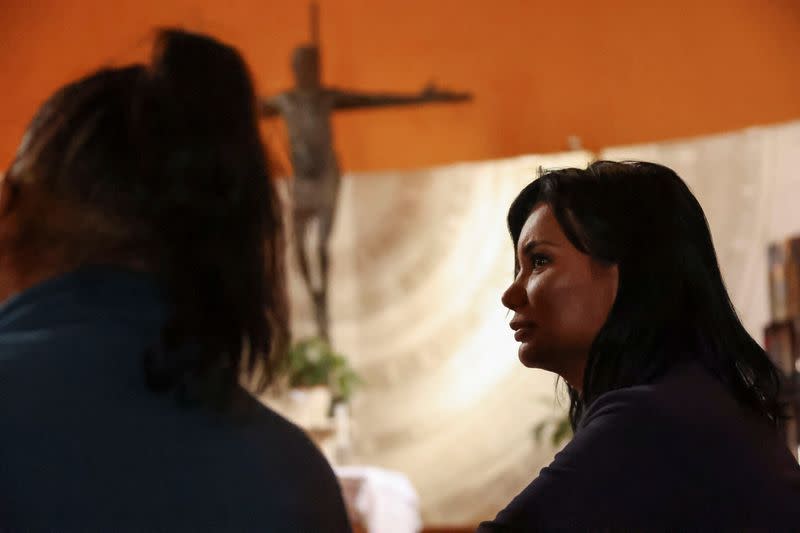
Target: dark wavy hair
x: 671, y: 304
x: 161, y: 165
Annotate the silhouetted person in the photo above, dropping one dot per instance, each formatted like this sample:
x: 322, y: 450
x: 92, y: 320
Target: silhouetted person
x: 141, y: 268
x: 675, y: 407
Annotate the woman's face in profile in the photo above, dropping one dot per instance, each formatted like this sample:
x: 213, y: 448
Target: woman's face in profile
x: 560, y: 297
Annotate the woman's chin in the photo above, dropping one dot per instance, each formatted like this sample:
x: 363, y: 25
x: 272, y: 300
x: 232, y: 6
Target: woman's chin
x: 527, y: 356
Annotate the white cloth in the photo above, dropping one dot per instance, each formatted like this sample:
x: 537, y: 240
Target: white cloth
x: 419, y: 260
x: 385, y: 499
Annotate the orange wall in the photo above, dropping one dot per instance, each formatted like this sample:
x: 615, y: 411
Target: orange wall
x: 611, y: 72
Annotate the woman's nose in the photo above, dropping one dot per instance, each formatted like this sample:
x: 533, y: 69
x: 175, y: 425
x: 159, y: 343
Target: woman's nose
x: 514, y: 296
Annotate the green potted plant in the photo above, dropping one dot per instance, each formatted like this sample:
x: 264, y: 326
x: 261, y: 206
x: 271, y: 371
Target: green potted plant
x: 313, y: 380
x: 313, y: 362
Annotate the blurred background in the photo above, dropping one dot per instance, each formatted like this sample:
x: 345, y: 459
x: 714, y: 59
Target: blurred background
x: 444, y: 426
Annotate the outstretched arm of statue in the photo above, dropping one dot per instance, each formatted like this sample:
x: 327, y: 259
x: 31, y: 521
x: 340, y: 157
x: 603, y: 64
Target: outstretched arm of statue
x: 354, y: 99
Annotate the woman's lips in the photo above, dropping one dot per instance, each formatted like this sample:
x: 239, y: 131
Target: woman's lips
x: 523, y: 333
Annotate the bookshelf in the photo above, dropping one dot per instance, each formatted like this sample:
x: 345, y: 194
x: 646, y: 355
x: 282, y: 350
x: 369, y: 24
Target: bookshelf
x: 782, y: 334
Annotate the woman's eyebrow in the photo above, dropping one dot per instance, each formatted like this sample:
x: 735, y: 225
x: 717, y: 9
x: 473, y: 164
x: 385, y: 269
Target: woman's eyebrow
x: 531, y: 244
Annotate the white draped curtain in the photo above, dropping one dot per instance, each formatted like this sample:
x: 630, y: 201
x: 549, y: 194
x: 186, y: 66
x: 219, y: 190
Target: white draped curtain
x: 419, y: 261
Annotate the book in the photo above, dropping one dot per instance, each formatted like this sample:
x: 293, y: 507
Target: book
x: 780, y: 343
x: 784, y: 279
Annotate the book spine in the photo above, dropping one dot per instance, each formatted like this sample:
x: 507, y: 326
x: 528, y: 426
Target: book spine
x: 778, y: 290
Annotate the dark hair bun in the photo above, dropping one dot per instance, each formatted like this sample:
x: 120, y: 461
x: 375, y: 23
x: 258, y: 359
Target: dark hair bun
x: 205, y: 82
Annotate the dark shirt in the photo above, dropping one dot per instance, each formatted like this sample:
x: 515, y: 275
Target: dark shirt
x: 680, y: 454
x: 85, y: 446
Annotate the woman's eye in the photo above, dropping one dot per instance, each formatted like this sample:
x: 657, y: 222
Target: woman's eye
x: 538, y: 261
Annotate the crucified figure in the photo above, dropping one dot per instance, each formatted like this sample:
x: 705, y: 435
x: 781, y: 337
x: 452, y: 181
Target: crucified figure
x: 307, y: 109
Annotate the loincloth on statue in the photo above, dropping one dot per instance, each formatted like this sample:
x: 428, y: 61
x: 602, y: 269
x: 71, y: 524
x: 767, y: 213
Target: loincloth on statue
x: 315, y: 194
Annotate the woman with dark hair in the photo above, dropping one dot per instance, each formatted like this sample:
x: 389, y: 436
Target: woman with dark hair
x: 675, y: 407
x: 141, y: 268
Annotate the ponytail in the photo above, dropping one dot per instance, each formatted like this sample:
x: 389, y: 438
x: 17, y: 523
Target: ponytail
x: 218, y: 216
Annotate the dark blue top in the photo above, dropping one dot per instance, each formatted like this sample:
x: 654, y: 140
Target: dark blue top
x: 85, y: 446
x: 680, y: 454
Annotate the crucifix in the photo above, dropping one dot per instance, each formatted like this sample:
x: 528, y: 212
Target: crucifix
x: 306, y: 108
